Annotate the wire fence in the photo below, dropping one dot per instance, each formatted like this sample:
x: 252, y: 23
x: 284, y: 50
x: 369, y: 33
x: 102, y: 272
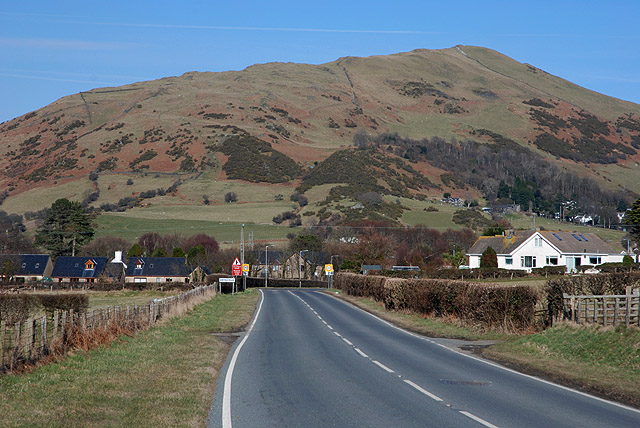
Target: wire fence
x: 58, y: 331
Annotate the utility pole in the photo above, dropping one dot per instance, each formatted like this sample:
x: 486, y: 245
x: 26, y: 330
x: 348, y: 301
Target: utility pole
x: 244, y: 278
x: 266, y: 263
x: 300, y: 268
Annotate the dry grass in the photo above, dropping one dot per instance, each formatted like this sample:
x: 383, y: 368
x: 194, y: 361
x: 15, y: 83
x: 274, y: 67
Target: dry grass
x: 162, y: 377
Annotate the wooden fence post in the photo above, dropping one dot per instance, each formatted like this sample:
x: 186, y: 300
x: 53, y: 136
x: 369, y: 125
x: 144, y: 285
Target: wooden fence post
x: 3, y: 327
x: 17, y: 330
x: 627, y: 318
x: 43, y: 335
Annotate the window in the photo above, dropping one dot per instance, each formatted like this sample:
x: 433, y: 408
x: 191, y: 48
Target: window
x: 37, y: 265
x: 595, y: 260
x: 553, y: 261
x: 537, y: 241
x: 508, y: 261
x: 24, y: 265
x: 158, y: 279
x: 527, y: 261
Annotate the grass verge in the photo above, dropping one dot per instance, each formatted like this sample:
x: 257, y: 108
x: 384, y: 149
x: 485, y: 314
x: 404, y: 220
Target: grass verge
x: 604, y: 361
x: 163, y: 377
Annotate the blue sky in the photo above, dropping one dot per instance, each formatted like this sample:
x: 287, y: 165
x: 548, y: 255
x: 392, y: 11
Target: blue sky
x: 50, y: 49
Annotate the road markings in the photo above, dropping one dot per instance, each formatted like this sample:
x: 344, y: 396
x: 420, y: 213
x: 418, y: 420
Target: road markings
x: 226, y: 399
x: 480, y: 360
x: 360, y: 352
x: 424, y: 391
x: 347, y: 341
x: 382, y: 366
x: 477, y: 419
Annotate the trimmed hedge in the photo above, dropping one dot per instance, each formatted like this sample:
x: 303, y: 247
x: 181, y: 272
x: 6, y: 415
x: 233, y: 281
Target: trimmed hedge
x: 493, y: 305
x: 599, y: 284
x: 549, y: 270
x: 19, y: 307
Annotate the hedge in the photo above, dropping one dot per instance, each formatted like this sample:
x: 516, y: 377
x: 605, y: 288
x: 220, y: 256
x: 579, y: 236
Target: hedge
x: 508, y: 307
x: 19, y: 307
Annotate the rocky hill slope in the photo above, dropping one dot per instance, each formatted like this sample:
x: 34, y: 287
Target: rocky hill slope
x: 277, y: 123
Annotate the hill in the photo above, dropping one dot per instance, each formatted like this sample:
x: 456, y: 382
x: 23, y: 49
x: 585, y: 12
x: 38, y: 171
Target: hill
x: 181, y: 141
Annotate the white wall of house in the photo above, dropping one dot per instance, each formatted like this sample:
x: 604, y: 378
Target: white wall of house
x: 537, y: 252
x: 156, y: 279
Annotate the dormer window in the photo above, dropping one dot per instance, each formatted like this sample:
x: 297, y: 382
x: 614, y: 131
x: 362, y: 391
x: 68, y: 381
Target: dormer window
x: 24, y: 265
x: 37, y: 265
x: 89, y: 265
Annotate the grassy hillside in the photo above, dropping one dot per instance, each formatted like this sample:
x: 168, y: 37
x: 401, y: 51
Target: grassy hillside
x: 267, y: 130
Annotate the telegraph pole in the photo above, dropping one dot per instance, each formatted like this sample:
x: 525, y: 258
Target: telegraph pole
x: 244, y: 278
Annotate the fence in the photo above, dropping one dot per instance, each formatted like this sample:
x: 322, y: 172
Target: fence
x: 604, y: 309
x: 56, y: 332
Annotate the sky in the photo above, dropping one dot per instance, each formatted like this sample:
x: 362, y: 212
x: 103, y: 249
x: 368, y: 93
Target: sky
x: 50, y: 49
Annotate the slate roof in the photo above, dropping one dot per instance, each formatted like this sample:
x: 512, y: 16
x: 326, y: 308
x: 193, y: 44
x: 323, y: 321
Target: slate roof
x: 74, y: 267
x: 273, y: 257
x: 501, y: 244
x: 27, y: 264
x: 573, y: 242
x: 566, y: 242
x: 158, y: 266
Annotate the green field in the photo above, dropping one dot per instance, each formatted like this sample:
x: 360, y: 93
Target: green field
x: 131, y: 228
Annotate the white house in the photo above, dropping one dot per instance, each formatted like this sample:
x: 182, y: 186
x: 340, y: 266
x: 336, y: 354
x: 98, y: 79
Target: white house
x: 528, y: 249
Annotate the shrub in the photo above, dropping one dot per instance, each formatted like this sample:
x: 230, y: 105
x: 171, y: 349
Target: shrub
x: 230, y: 197
x: 494, y: 305
x: 17, y: 307
x: 489, y: 258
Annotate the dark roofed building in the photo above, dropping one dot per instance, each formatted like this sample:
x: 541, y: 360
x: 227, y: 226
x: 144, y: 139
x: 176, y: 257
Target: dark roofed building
x: 26, y: 267
x: 78, y: 269
x: 158, y: 269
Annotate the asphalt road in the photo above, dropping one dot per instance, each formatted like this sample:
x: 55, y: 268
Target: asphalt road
x: 310, y: 360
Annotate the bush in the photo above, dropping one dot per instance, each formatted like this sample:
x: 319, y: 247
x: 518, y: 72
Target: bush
x: 17, y: 307
x: 230, y: 197
x: 63, y: 302
x: 549, y: 270
x: 489, y: 258
x: 503, y: 306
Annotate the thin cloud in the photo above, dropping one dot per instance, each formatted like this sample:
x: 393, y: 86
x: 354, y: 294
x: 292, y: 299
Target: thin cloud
x: 56, y: 79
x: 65, y: 73
x: 283, y: 29
x: 62, y: 44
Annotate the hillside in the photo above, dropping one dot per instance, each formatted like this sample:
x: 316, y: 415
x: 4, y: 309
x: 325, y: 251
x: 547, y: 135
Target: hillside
x: 180, y: 140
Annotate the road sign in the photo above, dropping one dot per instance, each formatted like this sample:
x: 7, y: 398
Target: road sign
x: 245, y: 268
x: 236, y: 268
x: 226, y: 280
x: 328, y: 269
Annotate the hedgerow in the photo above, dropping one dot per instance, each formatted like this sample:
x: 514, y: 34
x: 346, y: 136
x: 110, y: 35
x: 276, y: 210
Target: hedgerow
x: 507, y: 307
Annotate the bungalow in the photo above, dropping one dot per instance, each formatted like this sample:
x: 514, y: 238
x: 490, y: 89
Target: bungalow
x: 528, y: 249
x: 78, y: 269
x: 25, y: 267
x: 159, y: 269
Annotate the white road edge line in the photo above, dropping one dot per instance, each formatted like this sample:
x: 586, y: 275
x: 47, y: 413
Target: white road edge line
x: 477, y: 419
x: 382, y: 366
x: 490, y: 363
x: 360, y: 352
x: 424, y: 391
x: 347, y: 341
x: 226, y: 399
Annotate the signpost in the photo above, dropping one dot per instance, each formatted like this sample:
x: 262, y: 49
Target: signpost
x: 225, y: 280
x: 236, y: 270
x: 245, y: 269
x: 328, y: 270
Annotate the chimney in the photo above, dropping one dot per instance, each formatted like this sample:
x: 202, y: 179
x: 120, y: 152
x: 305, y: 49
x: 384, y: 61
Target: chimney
x: 117, y: 258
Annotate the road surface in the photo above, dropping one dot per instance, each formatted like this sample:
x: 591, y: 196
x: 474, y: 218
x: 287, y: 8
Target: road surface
x: 311, y: 360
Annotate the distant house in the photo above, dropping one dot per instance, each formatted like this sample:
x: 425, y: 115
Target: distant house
x: 78, y: 269
x: 530, y: 249
x: 276, y: 261
x: 367, y: 268
x: 159, y: 269
x: 25, y: 267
